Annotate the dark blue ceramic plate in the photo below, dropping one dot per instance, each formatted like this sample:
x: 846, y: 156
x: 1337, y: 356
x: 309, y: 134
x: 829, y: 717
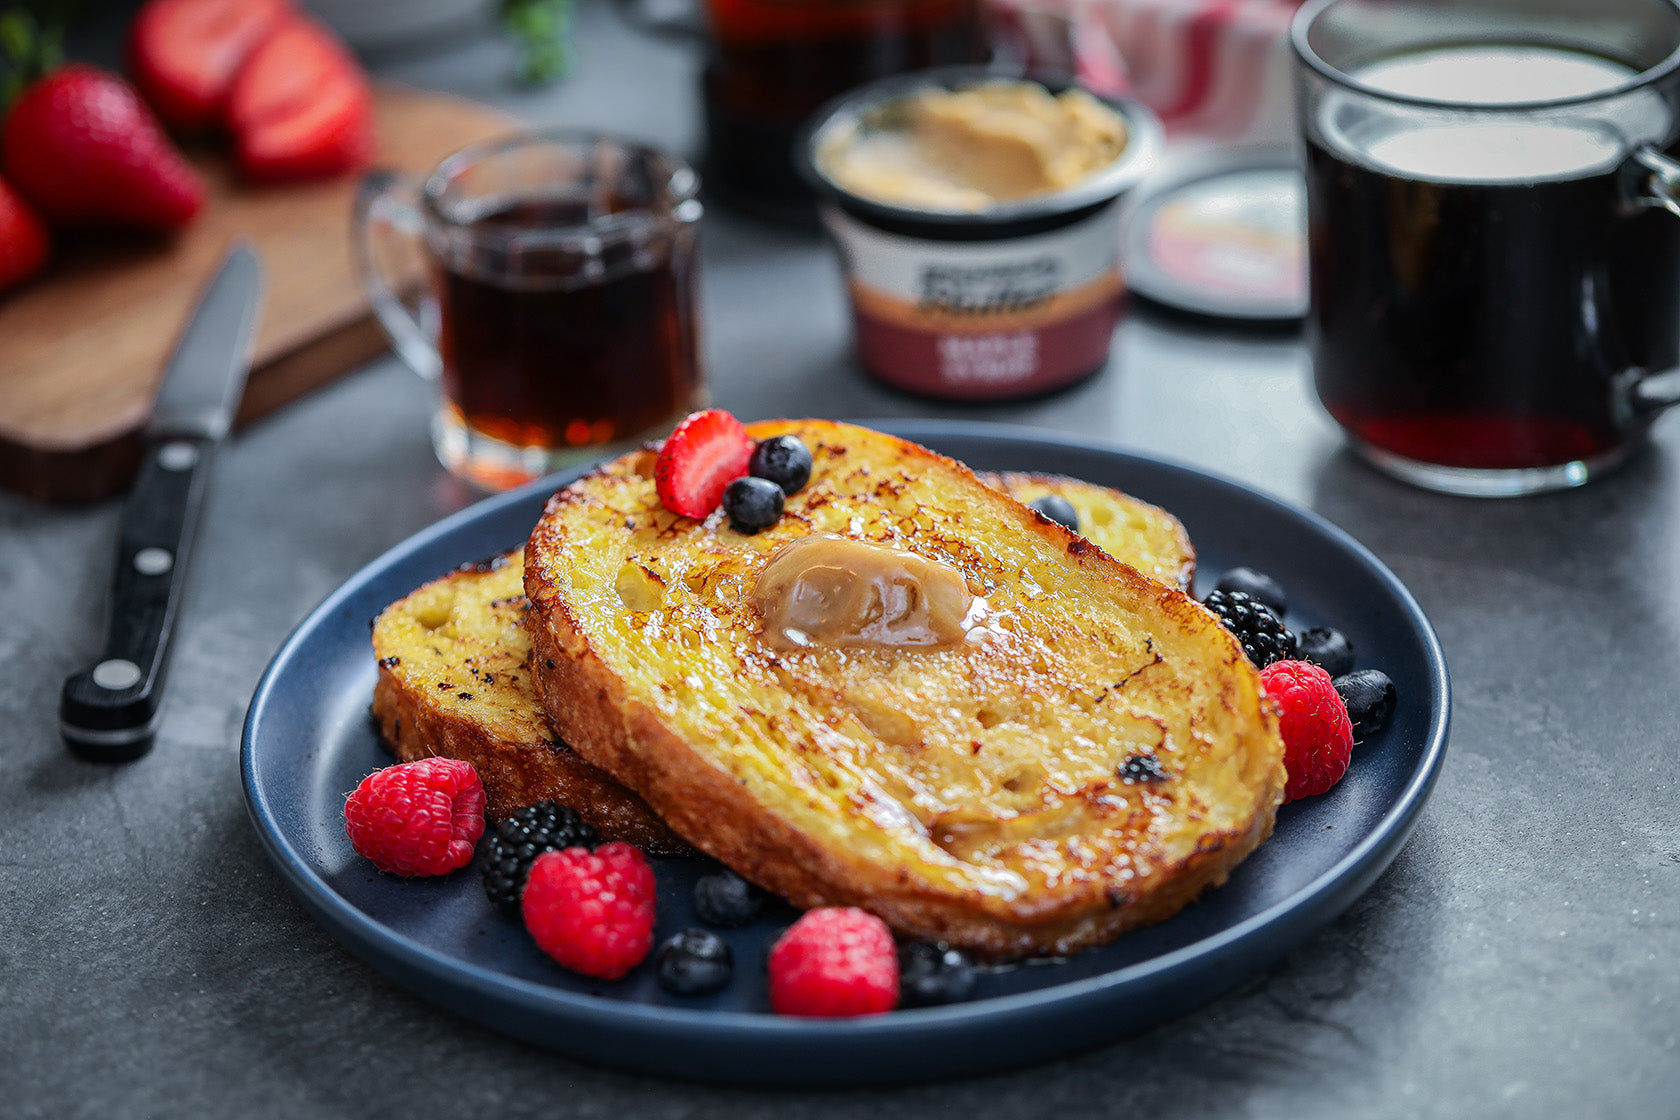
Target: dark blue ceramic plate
x: 309, y: 739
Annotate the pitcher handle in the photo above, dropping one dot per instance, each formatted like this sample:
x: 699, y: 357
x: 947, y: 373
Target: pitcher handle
x: 387, y: 210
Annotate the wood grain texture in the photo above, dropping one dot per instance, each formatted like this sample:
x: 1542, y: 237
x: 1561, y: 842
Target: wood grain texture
x: 82, y: 348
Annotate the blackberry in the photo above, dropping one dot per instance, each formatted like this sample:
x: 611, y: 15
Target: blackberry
x: 930, y: 974
x: 1058, y: 509
x: 1369, y: 696
x: 725, y: 899
x: 1328, y: 648
x: 694, y: 962
x: 1263, y: 637
x: 519, y: 838
x: 1256, y: 585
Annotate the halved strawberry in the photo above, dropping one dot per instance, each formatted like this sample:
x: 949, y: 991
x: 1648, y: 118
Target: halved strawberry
x: 23, y: 239
x: 184, y: 53
x: 300, y: 107
x: 705, y: 453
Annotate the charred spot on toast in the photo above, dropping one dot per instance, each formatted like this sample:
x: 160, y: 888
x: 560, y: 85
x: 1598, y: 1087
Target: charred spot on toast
x: 1142, y: 768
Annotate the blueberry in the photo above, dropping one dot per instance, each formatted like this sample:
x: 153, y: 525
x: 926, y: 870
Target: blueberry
x: 930, y: 974
x: 723, y: 898
x: 752, y: 504
x: 1369, y: 696
x: 784, y: 460
x: 1326, y: 647
x: 1058, y: 509
x: 694, y: 962
x: 1256, y: 585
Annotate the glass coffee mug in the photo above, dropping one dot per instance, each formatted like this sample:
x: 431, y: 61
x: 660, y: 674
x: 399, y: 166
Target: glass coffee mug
x: 1494, y: 282
x: 558, y: 304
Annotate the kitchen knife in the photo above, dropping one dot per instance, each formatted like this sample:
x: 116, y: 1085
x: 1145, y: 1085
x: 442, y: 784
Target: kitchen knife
x: 108, y: 712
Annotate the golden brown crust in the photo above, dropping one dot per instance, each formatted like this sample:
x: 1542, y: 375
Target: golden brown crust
x: 889, y: 781
x: 1132, y: 531
x: 454, y: 682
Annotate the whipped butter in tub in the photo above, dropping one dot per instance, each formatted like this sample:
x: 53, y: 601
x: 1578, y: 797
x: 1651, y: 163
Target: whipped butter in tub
x: 977, y: 219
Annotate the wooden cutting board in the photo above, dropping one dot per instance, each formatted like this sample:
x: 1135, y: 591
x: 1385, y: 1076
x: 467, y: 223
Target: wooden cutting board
x: 82, y: 347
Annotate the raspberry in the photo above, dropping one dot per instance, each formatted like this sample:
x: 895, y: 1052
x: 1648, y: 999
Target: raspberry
x: 834, y: 961
x: 417, y: 818
x: 1317, y: 734
x: 591, y: 911
x: 519, y: 838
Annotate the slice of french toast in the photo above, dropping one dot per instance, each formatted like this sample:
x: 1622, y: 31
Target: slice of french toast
x: 468, y: 626
x: 1088, y: 754
x: 454, y: 680
x: 1132, y: 531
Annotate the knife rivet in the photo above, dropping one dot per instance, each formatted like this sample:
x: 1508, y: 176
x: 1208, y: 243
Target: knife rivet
x: 177, y: 456
x: 153, y: 561
x: 116, y: 674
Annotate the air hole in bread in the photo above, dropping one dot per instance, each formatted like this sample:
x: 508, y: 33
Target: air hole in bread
x: 434, y: 615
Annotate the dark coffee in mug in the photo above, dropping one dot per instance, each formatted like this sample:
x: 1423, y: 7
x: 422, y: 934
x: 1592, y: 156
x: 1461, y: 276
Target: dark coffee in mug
x: 1478, y: 288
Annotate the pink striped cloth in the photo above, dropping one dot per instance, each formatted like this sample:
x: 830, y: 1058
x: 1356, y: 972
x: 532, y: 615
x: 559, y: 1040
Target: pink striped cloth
x: 1213, y: 68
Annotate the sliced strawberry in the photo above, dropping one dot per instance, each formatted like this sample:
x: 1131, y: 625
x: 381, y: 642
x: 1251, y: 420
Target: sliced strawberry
x: 23, y: 239
x: 707, y: 452
x: 184, y: 53
x: 83, y: 147
x: 300, y: 107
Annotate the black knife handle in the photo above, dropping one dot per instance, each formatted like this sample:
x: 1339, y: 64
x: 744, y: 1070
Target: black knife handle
x: 108, y: 712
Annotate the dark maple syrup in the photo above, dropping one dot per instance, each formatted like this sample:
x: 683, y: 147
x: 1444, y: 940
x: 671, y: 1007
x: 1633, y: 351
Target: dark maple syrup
x: 547, y: 342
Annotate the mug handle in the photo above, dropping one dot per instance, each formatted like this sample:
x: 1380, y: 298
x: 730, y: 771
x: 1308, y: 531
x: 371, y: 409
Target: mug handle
x: 1658, y: 184
x: 387, y: 208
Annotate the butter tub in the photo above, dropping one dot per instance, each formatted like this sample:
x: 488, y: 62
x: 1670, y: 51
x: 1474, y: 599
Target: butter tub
x: 964, y: 300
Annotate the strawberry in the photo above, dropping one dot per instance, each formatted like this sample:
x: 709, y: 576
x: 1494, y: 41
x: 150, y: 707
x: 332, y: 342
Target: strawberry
x: 184, y: 53
x: 83, y: 147
x: 23, y: 239
x: 300, y: 107
x: 705, y: 453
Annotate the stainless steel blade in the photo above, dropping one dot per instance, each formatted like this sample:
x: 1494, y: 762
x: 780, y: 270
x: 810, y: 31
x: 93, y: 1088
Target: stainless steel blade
x: 203, y: 381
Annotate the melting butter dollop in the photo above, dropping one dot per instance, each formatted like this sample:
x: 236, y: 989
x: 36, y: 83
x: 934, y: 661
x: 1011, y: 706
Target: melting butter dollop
x: 833, y: 591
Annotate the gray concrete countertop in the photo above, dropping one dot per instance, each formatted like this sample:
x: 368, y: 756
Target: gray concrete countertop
x: 1520, y: 958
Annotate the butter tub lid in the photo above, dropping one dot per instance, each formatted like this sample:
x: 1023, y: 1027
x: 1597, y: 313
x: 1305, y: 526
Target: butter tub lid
x: 1222, y: 234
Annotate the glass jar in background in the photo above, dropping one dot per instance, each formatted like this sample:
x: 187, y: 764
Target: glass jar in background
x: 772, y: 63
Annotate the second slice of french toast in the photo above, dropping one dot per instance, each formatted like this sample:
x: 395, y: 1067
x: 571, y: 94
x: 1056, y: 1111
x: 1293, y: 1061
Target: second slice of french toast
x: 455, y: 681
x: 1095, y: 752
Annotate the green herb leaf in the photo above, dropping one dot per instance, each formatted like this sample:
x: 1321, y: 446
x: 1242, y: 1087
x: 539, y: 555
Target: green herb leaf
x: 542, y: 29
